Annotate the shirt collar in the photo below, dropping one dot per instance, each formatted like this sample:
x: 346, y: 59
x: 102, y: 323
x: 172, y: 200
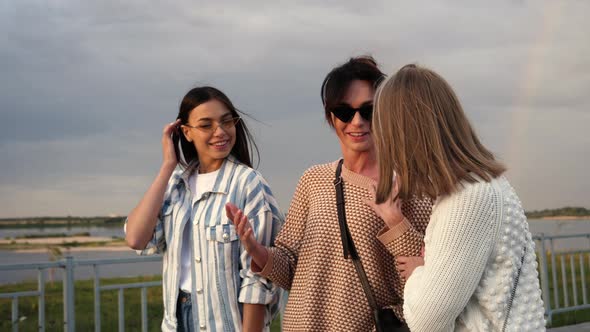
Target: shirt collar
x: 223, y: 179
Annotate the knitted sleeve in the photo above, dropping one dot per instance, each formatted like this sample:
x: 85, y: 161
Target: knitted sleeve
x: 459, y: 241
x: 282, y: 258
x: 407, y: 238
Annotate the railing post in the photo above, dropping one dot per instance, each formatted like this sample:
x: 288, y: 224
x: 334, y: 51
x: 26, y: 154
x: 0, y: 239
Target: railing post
x: 554, y: 274
x: 566, y: 302
x: 41, y: 300
x: 15, y: 314
x: 545, y: 279
x: 144, y: 317
x: 121, y: 311
x: 583, y: 277
x: 68, y: 293
x: 96, y: 298
x: 574, y: 283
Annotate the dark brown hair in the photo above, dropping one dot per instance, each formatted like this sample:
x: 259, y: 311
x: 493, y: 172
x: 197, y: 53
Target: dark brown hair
x: 335, y: 85
x: 422, y: 133
x: 200, y: 95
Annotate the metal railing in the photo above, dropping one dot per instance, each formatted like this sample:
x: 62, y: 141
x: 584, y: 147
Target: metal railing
x: 68, y: 266
x: 555, y: 275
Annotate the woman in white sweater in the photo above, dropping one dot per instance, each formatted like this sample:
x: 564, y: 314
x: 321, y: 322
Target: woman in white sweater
x: 479, y: 270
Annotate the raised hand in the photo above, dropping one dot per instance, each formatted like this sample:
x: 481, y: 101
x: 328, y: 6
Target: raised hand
x: 169, y: 156
x: 246, y: 234
x: 142, y: 220
x: 390, y: 211
x: 243, y: 227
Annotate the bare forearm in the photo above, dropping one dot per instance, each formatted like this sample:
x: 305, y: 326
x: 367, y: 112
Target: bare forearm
x: 142, y: 219
x: 253, y: 320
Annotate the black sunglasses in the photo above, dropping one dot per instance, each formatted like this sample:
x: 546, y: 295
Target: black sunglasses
x: 345, y: 113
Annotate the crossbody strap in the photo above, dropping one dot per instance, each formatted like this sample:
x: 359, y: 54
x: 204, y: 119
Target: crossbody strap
x: 513, y: 292
x: 349, y: 250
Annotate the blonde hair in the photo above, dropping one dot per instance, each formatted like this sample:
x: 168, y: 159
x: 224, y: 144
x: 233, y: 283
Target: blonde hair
x: 422, y: 133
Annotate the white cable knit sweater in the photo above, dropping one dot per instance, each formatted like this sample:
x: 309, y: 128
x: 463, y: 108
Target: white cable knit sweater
x: 473, y: 248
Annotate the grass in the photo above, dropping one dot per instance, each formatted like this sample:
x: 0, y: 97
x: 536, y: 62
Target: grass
x: 572, y: 317
x: 28, y: 306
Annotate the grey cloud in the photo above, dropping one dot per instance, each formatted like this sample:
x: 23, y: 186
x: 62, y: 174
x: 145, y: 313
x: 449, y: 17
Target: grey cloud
x: 20, y: 123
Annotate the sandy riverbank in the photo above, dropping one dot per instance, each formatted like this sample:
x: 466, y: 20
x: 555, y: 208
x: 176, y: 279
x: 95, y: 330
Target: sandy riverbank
x: 58, y: 240
x: 65, y: 250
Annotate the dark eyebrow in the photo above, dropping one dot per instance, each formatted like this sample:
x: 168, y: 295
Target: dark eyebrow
x: 226, y: 115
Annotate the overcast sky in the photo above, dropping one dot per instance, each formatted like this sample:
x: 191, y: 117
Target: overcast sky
x: 86, y: 87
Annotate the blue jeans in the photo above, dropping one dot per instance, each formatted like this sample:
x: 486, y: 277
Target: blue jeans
x: 184, y: 314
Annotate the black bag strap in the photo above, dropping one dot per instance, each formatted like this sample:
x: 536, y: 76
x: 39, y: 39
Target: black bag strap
x: 347, y: 243
x: 513, y: 292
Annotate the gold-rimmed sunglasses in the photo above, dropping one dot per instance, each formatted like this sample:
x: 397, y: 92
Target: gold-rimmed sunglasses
x: 210, y: 127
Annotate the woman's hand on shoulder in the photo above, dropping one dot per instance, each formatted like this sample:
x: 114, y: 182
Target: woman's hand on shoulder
x: 169, y: 156
x: 390, y: 211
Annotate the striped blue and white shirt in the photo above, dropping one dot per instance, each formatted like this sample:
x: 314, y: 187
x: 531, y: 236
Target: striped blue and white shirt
x: 222, y: 280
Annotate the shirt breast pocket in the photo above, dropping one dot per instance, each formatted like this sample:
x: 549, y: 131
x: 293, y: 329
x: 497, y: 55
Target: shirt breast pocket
x: 167, y: 215
x: 224, y: 246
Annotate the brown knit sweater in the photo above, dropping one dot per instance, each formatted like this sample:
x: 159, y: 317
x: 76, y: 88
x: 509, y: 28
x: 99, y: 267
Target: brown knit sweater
x: 325, y: 291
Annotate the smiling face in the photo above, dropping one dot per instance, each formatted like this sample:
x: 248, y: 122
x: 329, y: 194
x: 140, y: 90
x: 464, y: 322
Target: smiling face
x: 355, y: 135
x: 212, y: 140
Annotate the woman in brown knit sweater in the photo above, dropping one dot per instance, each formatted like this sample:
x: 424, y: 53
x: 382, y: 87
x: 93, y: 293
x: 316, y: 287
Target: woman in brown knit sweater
x: 325, y: 293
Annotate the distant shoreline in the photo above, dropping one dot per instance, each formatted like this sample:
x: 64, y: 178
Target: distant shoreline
x: 563, y: 218
x: 68, y: 243
x: 35, y: 222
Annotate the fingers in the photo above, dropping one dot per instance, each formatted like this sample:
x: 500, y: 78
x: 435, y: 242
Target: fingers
x: 230, y: 211
x: 401, y: 264
x: 243, y: 223
x: 371, y: 204
x: 249, y: 235
x: 401, y: 269
x: 402, y: 259
x: 406, y: 265
x: 239, y: 220
x: 246, y: 234
x: 169, y: 128
x: 373, y: 191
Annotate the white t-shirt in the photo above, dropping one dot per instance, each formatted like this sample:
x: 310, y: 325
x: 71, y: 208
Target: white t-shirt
x: 198, y: 184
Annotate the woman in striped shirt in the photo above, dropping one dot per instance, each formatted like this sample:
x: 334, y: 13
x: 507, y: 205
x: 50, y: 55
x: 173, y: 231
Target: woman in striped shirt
x: 207, y: 281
